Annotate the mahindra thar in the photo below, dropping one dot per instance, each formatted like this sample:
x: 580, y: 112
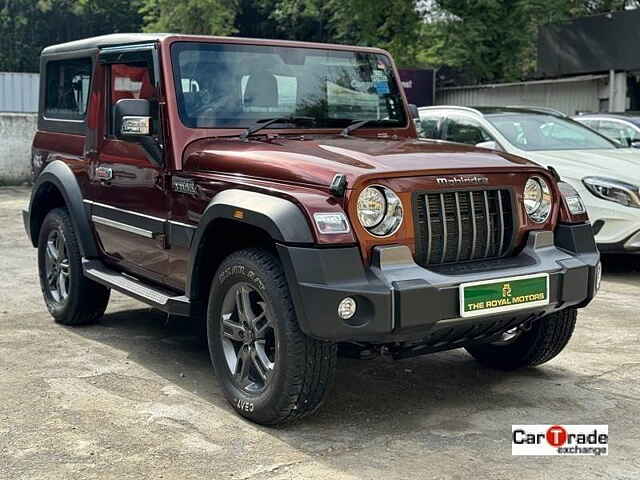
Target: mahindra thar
x: 276, y: 193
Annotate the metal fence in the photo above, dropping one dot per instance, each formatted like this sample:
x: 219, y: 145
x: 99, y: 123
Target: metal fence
x: 569, y: 95
x: 19, y: 92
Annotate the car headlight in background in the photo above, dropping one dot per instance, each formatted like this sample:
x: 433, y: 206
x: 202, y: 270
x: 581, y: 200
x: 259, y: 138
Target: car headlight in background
x: 572, y: 199
x: 537, y: 199
x: 379, y: 210
x: 613, y: 190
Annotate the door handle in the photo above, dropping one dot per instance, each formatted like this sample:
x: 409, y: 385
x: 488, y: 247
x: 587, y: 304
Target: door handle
x: 104, y: 174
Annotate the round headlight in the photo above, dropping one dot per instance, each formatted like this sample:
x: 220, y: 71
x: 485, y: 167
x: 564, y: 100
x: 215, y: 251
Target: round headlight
x: 371, y: 207
x: 380, y: 211
x: 537, y: 199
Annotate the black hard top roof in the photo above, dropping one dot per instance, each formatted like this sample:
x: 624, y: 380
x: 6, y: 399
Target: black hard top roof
x: 113, y: 39
x: 117, y: 39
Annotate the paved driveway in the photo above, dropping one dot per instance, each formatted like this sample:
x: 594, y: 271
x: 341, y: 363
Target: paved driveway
x: 135, y: 397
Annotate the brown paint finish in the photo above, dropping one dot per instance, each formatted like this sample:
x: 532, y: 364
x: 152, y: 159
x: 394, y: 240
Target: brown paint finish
x: 294, y: 164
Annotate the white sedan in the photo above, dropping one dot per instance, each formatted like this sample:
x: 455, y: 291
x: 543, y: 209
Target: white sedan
x: 606, y: 175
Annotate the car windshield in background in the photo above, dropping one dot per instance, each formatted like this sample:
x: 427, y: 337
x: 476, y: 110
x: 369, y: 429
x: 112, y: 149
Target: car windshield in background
x: 233, y: 86
x: 546, y: 132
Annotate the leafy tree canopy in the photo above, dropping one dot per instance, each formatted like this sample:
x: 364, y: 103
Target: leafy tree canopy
x: 492, y: 40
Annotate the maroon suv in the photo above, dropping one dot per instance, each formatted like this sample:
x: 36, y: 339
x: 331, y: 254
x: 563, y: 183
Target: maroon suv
x: 276, y: 193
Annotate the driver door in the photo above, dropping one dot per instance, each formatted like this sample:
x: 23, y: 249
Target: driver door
x: 130, y: 195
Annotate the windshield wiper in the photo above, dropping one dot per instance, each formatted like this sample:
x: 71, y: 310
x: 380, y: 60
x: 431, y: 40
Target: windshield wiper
x: 265, y: 122
x: 355, y: 125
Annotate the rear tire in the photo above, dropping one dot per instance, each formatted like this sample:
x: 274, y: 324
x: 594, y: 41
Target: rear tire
x: 250, y: 317
x: 70, y: 297
x: 546, y: 339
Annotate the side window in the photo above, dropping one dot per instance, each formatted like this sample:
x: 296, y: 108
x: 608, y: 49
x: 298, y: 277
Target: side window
x: 67, y: 89
x: 590, y: 123
x: 130, y: 81
x: 617, y: 131
x: 464, y: 130
x: 430, y: 126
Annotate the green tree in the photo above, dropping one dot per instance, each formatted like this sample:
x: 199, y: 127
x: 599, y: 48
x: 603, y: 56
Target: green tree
x: 203, y: 17
x: 390, y: 24
x: 27, y: 26
x: 496, y: 40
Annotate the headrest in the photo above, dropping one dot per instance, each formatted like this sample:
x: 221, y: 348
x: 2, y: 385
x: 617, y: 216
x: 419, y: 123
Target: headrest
x: 261, y: 90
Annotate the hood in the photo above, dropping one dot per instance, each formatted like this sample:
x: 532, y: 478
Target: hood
x: 315, y: 160
x: 621, y: 164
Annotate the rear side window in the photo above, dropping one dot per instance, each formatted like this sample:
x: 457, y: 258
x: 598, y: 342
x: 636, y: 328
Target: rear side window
x: 67, y: 88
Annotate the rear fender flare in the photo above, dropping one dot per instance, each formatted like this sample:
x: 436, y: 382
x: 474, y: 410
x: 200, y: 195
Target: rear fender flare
x: 59, y: 175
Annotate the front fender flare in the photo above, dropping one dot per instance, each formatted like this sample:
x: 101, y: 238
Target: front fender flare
x: 281, y: 219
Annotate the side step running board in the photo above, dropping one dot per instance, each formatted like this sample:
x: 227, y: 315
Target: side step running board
x: 153, y: 296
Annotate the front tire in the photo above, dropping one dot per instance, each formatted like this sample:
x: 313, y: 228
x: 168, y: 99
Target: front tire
x: 70, y: 297
x: 546, y: 339
x: 270, y: 372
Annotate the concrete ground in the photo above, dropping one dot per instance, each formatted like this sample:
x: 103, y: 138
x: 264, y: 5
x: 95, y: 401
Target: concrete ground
x: 135, y: 397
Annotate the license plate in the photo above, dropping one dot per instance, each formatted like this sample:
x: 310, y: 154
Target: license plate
x: 503, y: 295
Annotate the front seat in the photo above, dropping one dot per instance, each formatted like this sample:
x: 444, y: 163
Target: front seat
x: 261, y: 91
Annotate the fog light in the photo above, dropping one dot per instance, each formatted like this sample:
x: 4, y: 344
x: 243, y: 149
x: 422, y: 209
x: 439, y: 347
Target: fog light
x: 347, y: 308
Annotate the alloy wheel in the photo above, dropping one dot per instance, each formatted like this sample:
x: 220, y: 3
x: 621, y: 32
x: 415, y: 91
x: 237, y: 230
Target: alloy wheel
x: 57, y: 267
x: 248, y: 338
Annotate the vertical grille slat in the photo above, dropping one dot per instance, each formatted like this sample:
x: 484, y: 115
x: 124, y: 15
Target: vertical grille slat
x: 487, y: 216
x: 501, y: 219
x: 475, y: 228
x: 461, y: 226
x: 459, y: 217
x: 444, y: 228
x: 429, y: 234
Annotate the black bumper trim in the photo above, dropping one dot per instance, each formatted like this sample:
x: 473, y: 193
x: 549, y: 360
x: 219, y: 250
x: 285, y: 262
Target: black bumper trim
x: 398, y: 300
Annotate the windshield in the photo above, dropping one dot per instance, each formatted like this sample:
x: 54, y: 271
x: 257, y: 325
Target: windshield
x: 233, y: 86
x: 546, y: 132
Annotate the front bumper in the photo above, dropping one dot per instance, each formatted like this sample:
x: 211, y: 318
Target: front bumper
x: 628, y: 245
x: 401, y: 301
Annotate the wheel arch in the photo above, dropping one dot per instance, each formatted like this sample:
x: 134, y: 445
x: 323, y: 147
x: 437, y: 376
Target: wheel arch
x: 242, y: 219
x: 57, y: 187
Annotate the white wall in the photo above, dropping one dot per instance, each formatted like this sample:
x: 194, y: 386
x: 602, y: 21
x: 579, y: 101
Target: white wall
x: 580, y: 94
x: 19, y: 92
x: 16, y: 134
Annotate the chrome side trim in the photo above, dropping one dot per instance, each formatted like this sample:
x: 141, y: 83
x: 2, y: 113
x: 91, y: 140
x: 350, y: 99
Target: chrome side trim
x: 180, y: 224
x: 103, y: 205
x: 122, y: 226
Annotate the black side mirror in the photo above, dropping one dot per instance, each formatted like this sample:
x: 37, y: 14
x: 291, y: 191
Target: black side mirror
x: 413, y: 111
x: 132, y: 121
x: 132, y: 118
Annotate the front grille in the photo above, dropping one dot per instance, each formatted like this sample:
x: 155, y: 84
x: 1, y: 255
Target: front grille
x: 463, y: 225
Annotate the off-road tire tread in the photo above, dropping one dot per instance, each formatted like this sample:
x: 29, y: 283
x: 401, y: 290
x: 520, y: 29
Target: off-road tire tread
x: 547, y: 338
x: 311, y: 383
x: 87, y: 302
